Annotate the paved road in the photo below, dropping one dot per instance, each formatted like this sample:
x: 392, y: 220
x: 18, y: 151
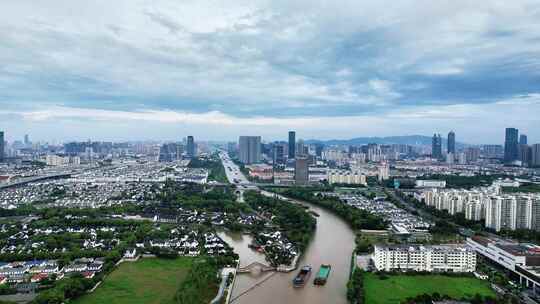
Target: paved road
x: 235, y: 176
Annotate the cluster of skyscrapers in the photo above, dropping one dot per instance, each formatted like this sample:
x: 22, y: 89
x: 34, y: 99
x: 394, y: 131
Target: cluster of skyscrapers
x: 169, y: 152
x: 515, y: 151
x: 250, y: 152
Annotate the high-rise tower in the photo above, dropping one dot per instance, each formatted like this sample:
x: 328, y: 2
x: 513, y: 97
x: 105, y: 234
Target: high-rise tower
x: 451, y: 145
x: 511, y: 148
x: 292, y: 144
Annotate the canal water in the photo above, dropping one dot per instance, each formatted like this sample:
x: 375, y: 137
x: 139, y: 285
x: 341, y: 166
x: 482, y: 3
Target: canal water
x: 332, y: 244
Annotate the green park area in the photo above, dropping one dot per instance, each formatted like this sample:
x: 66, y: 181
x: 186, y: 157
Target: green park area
x: 148, y: 281
x: 397, y: 288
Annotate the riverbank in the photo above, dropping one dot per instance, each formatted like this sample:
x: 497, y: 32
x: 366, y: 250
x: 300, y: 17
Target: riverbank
x: 332, y: 238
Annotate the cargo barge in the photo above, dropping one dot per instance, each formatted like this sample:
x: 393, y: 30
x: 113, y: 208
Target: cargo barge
x: 322, y: 275
x: 302, y: 277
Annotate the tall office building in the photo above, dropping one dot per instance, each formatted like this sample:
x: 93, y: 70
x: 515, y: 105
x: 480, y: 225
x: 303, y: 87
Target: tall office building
x: 535, y: 155
x: 292, y: 144
x: 511, y: 148
x: 451, y: 145
x: 170, y: 152
x: 523, y: 139
x: 436, y: 147
x: 301, y: 170
x: 493, y: 151
x: 26, y: 140
x: 525, y: 153
x: 301, y: 147
x: 249, y: 149
x: 2, y: 146
x: 191, y: 149
x: 278, y: 153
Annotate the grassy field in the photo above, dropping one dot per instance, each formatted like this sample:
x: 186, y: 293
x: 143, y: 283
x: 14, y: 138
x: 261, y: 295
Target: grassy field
x: 148, y: 281
x: 398, y: 287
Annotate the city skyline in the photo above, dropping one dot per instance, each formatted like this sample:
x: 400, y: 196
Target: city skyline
x: 270, y: 151
x: 152, y: 70
x: 448, y: 141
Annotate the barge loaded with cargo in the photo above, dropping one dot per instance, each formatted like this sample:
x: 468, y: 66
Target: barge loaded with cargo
x: 302, y: 277
x: 322, y: 275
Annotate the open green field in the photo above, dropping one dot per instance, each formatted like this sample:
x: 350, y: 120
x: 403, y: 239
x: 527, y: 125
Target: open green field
x: 147, y: 281
x: 399, y: 287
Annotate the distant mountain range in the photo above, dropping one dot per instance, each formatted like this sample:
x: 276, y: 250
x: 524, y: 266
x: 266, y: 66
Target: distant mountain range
x: 404, y: 140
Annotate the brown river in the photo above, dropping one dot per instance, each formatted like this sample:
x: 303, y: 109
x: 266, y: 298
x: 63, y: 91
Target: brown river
x: 332, y: 244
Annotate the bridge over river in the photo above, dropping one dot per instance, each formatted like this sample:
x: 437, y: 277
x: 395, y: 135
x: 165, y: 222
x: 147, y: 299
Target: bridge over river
x: 332, y: 244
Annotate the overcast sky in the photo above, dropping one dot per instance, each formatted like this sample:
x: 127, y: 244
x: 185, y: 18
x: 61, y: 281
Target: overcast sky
x: 115, y: 70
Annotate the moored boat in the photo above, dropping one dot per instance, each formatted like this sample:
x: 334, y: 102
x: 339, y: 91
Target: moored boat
x: 322, y: 275
x: 302, y: 277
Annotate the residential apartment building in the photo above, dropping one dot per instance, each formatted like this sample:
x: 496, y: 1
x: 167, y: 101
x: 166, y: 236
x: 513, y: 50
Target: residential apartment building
x: 437, y: 258
x: 499, y: 211
x: 346, y: 177
x: 249, y: 149
x: 513, y: 212
x: 301, y: 170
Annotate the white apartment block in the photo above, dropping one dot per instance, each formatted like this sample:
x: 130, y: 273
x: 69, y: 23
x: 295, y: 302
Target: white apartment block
x: 508, y: 211
x: 55, y: 160
x: 474, y: 210
x: 513, y: 212
x: 470, y: 202
x: 384, y: 172
x: 439, y: 258
x: 346, y: 177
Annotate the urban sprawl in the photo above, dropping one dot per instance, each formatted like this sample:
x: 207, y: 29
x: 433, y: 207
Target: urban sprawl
x: 418, y: 206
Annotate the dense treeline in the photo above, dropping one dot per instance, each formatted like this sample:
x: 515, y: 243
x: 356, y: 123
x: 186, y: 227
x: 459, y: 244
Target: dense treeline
x: 436, y: 297
x: 298, y: 225
x: 194, y: 197
x: 357, y: 218
x: 201, y: 279
x: 355, y: 287
x: 524, y: 235
x: 7, y: 290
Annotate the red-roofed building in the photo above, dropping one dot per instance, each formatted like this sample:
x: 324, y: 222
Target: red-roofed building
x: 38, y: 277
x: 88, y: 274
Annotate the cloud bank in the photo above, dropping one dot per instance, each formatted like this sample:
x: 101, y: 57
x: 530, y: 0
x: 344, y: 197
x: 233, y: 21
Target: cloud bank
x: 353, y: 67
